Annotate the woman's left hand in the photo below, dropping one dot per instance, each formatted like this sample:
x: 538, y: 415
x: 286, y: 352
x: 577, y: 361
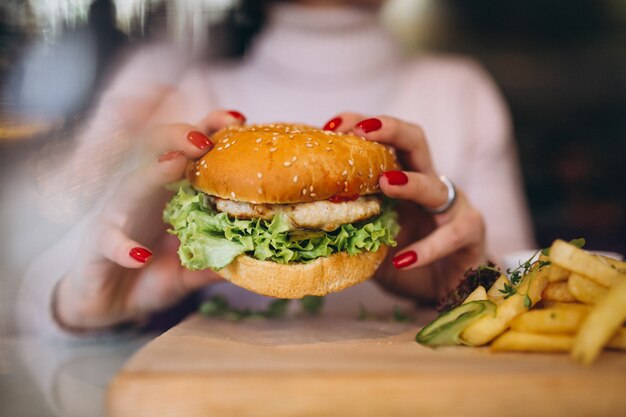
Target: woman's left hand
x: 434, y: 250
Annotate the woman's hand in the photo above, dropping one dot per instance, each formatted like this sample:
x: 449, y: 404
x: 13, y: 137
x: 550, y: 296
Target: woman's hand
x: 128, y: 266
x: 434, y: 249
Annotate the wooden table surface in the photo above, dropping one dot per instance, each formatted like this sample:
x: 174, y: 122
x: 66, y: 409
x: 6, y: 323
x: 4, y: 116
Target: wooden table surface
x: 333, y: 365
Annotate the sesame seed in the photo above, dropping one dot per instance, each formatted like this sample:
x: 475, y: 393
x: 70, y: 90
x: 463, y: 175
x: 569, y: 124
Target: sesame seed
x: 316, y: 143
x: 227, y: 146
x: 233, y: 142
x: 309, y: 139
x: 259, y: 175
x: 304, y: 191
x: 272, y: 149
x: 293, y: 159
x: 351, y: 162
x: 311, y: 188
x: 330, y: 142
x: 197, y: 173
x: 313, y: 194
x: 219, y: 148
x: 232, y: 194
x: 295, y: 178
x: 382, y: 167
x: 286, y: 163
x: 259, y: 140
x: 345, y: 172
x: 259, y: 190
x: 308, y: 145
x: 328, y: 149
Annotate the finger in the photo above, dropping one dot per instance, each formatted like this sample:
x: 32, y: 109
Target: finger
x: 138, y: 188
x: 181, y: 136
x: 167, y: 282
x: 216, y: 120
x: 193, y: 280
x: 343, y: 122
x: 113, y: 245
x: 191, y: 139
x: 425, y: 190
x: 401, y: 135
x: 463, y: 231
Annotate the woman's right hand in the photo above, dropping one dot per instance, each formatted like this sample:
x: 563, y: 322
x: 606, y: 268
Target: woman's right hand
x: 127, y: 266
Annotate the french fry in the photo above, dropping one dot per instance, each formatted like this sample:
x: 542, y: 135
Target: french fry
x: 619, y: 265
x: 600, y: 325
x: 558, y: 291
x: 618, y: 341
x: 585, y: 290
x: 488, y: 327
x: 494, y: 294
x: 557, y: 304
x: 515, y: 341
x: 556, y: 273
x: 479, y: 294
x: 570, y: 257
x: 553, y: 320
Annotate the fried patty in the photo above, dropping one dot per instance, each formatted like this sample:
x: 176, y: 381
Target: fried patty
x: 319, y: 215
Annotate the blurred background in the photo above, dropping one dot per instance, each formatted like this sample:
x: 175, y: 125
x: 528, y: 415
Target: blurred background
x: 561, y: 65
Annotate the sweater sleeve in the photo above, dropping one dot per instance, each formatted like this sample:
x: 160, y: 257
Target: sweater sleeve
x: 35, y: 298
x: 494, y: 182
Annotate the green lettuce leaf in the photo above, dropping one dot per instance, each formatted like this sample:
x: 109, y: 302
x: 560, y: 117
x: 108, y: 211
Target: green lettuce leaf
x: 209, y: 239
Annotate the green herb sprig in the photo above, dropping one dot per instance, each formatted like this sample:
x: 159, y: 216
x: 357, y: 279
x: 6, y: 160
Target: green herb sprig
x: 218, y: 306
x: 515, y: 275
x: 397, y: 314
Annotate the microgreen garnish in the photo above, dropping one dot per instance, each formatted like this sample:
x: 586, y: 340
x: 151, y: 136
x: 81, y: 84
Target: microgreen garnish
x: 312, y: 304
x: 218, y: 306
x: 398, y: 315
x: 402, y: 316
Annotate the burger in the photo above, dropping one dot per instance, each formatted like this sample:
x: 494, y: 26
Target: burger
x: 285, y: 210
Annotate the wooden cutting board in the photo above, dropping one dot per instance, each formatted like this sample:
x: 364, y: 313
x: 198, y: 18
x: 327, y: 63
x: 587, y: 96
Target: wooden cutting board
x: 340, y: 366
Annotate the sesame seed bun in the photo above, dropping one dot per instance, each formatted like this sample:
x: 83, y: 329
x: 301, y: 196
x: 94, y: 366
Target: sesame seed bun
x: 287, y: 163
x: 319, y: 277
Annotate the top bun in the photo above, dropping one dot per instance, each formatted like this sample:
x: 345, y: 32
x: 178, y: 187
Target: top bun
x: 287, y: 163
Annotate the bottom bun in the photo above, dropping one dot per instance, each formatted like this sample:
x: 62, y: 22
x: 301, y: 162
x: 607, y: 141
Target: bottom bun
x: 320, y: 277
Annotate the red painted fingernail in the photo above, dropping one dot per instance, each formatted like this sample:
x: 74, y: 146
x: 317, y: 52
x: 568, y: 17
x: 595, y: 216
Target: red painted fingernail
x: 370, y: 125
x: 333, y: 124
x: 142, y: 255
x: 168, y: 156
x: 199, y: 139
x: 396, y: 177
x: 405, y: 259
x: 237, y: 115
